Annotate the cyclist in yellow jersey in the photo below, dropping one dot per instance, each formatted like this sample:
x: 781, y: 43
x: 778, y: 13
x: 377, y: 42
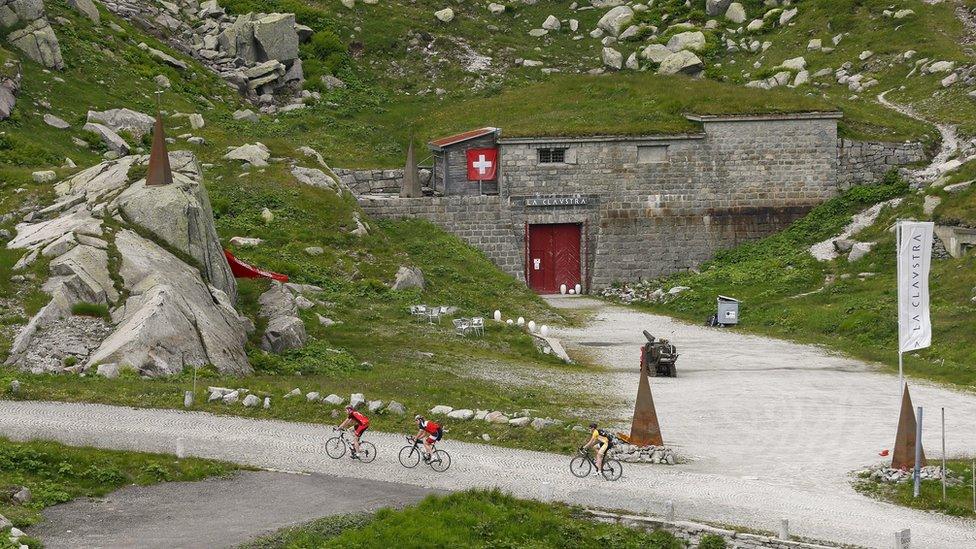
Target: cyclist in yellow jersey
x: 602, y: 438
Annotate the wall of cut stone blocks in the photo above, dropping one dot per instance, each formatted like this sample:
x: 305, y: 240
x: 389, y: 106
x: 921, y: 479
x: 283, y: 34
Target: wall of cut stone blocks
x: 654, y: 205
x: 378, y: 181
x: 864, y: 162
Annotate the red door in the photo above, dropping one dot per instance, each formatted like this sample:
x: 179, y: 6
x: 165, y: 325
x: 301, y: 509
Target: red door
x: 554, y: 257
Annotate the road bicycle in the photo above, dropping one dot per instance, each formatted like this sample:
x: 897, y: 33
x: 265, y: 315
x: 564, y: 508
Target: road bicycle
x: 411, y: 454
x: 582, y: 465
x: 337, y: 446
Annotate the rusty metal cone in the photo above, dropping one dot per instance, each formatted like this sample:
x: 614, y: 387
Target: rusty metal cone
x: 904, y: 455
x: 645, y: 429
x: 159, y: 170
x: 411, y: 179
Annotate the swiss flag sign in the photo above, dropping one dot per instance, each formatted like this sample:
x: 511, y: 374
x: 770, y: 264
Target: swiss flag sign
x: 482, y: 164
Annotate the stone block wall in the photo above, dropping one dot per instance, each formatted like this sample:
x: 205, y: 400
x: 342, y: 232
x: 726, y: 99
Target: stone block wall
x: 482, y: 221
x: 378, y: 181
x: 861, y: 162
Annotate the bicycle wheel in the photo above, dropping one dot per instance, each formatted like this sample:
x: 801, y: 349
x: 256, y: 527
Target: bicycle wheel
x: 612, y: 469
x: 409, y: 456
x: 580, y: 467
x: 367, y: 451
x: 335, y: 447
x: 440, y: 461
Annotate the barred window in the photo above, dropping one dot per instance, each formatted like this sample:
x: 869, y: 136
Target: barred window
x: 552, y: 156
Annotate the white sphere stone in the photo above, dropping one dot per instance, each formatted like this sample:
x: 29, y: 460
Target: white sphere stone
x: 532, y: 326
x: 572, y: 291
x: 562, y: 289
x: 510, y: 322
x: 521, y: 321
x: 498, y: 315
x: 579, y: 289
x: 544, y: 330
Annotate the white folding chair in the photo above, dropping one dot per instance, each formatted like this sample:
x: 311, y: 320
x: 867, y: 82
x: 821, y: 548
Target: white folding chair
x: 478, y: 325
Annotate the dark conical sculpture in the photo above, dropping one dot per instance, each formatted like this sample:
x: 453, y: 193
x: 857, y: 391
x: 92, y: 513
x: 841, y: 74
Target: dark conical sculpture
x: 411, y: 179
x: 645, y: 429
x: 904, y: 455
x: 159, y: 170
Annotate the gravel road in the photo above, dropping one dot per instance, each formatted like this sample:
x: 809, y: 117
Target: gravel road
x: 222, y: 512
x: 773, y: 429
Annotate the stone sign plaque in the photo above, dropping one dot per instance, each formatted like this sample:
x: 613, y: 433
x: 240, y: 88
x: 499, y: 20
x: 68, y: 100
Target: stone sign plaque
x: 555, y: 200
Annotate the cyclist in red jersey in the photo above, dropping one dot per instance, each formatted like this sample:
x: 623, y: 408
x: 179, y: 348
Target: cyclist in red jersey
x: 361, y: 423
x: 432, y: 430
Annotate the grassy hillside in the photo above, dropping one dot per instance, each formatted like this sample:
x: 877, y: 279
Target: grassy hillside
x: 467, y: 519
x: 785, y: 292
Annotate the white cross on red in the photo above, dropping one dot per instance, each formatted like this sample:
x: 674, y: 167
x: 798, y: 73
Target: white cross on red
x: 482, y: 164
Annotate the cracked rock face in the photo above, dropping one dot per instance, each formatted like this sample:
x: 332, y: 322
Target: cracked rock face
x: 38, y: 41
x: 169, y: 289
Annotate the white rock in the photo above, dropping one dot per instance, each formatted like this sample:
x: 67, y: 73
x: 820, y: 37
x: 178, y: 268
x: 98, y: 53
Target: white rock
x: 356, y: 400
x: 293, y: 393
x: 859, y: 250
x: 463, y: 414
x: 441, y: 410
x: 691, y: 40
x: 255, y: 154
x: 683, y: 61
x: 251, y: 401
x: 496, y: 8
x: 445, y: 15
x: 796, y: 64
x: 245, y: 241
x: 787, y: 16
x: 334, y: 399
x: 196, y: 121
x: 901, y: 14
x: 374, y: 406
x: 520, y: 421
x: 612, y: 58
x: 754, y: 25
x: 814, y: 44
x: 45, y: 176
x: 551, y: 23
x: 616, y: 19
x: 396, y: 408
x: 312, y: 396
x: 496, y: 417
x: 736, y: 13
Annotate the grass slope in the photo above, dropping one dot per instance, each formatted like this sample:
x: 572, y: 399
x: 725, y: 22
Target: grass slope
x: 468, y: 519
x: 56, y: 473
x: 780, y: 283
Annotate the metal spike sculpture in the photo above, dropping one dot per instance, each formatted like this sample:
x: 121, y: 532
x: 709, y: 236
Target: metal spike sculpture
x: 645, y: 430
x: 411, y: 179
x: 904, y: 455
x: 159, y: 172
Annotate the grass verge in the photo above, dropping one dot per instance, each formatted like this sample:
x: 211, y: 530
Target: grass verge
x: 475, y: 518
x: 55, y: 473
x: 959, y: 498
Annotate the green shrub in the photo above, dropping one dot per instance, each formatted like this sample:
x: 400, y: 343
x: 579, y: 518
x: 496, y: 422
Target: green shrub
x: 326, y: 48
x: 91, y: 309
x: 711, y: 541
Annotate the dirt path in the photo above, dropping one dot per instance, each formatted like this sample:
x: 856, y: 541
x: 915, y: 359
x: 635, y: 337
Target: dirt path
x: 815, y: 509
x: 213, y: 513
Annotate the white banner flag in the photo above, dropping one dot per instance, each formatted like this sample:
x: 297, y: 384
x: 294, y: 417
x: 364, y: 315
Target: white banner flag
x: 914, y: 259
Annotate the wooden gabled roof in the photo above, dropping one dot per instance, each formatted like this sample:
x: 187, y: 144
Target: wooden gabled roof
x: 443, y: 142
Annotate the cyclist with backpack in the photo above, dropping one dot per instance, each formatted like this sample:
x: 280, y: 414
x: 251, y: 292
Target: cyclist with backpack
x: 432, y: 430
x: 602, y: 438
x: 361, y: 422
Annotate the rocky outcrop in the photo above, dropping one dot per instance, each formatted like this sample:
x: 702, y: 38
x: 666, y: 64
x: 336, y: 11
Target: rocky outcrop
x: 409, y: 277
x: 285, y: 331
x: 10, y: 77
x: 38, y: 42
x: 256, y: 53
x: 170, y: 299
x: 134, y: 122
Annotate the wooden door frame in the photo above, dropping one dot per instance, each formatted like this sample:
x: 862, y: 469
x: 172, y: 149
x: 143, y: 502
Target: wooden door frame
x: 584, y: 273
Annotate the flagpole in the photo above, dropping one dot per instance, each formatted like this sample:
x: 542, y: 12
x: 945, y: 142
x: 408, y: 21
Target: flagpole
x: 901, y: 367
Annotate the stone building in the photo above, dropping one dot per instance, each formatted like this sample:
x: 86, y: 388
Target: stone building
x: 598, y: 210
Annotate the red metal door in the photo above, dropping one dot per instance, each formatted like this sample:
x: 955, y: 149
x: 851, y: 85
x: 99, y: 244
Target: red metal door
x: 554, y: 256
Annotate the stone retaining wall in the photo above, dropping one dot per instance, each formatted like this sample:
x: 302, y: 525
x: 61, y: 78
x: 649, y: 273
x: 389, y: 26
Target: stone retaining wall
x: 692, y: 532
x: 861, y: 162
x: 362, y: 182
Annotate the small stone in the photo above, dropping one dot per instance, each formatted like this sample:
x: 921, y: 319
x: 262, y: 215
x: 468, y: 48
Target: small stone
x: 520, y: 421
x: 374, y: 406
x: 441, y: 410
x: 496, y: 417
x: 462, y: 414
x: 293, y: 393
x: 45, y: 176
x: 396, y: 408
x: 314, y: 250
x: 55, y: 122
x: 486, y: 437
x: 15, y: 386
x: 312, y: 396
x: 356, y: 400
x: 267, y: 403
x: 21, y: 497
x: 267, y: 216
x: 445, y: 15
x: 251, y: 401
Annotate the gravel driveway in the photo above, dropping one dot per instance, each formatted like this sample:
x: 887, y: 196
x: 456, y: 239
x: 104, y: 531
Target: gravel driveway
x: 773, y: 429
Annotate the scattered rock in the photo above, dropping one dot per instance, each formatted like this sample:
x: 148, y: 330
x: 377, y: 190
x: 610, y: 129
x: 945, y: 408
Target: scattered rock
x: 736, y: 13
x: 247, y: 115
x: 45, y: 176
x: 684, y: 62
x: 55, y: 122
x: 251, y: 401
x: 441, y: 410
x: 396, y: 408
x: 463, y: 414
x: 38, y: 42
x: 859, y: 250
x: 356, y: 400
x: 312, y: 396
x: 445, y: 15
x: 496, y: 417
x: 245, y: 241
x: 374, y: 406
x: 612, y: 58
x: 616, y: 19
x: 293, y: 393
x: 520, y: 421
x: 408, y: 278
x: 314, y: 250
x: 255, y: 154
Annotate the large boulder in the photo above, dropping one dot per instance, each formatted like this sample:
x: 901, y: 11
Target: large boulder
x: 180, y: 215
x: 616, y: 20
x: 275, y: 37
x: 38, y: 42
x: 612, y: 58
x: 284, y: 331
x: 86, y: 8
x: 134, y: 122
x: 684, y: 62
x: 716, y: 7
x: 409, y: 277
x: 277, y: 301
x: 112, y: 140
x: 20, y: 11
x: 171, y: 318
x: 691, y: 40
x: 736, y: 13
x: 255, y: 154
x: 10, y: 78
